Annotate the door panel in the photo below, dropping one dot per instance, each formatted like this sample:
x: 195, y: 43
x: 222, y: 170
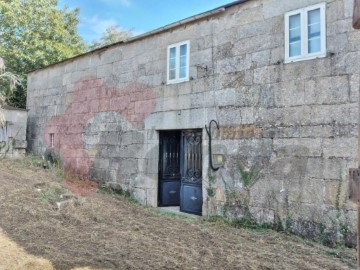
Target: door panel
x: 169, y: 169
x: 191, y: 172
x: 191, y: 199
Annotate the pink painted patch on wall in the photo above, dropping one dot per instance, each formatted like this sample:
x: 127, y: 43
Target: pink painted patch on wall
x: 91, y: 96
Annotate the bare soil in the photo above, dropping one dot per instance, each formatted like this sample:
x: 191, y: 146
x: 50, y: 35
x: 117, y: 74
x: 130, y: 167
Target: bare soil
x: 107, y: 231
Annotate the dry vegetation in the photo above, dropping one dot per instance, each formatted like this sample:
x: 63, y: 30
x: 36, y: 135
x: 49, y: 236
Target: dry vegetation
x: 107, y: 231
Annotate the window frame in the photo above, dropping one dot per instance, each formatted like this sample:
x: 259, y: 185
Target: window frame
x: 177, y: 62
x: 305, y: 55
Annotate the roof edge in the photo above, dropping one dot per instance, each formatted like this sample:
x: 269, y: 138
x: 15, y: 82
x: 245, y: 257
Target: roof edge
x: 154, y: 32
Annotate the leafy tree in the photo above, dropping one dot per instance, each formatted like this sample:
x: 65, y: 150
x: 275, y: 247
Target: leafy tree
x: 112, y: 35
x: 9, y: 80
x: 34, y: 34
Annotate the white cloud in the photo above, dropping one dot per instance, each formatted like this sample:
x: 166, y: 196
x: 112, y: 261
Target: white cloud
x: 94, y: 27
x: 125, y: 3
x: 98, y: 25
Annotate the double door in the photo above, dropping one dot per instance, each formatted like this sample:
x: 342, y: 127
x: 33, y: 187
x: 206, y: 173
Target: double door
x: 180, y: 170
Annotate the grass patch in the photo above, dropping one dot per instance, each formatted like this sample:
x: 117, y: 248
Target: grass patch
x: 106, y: 189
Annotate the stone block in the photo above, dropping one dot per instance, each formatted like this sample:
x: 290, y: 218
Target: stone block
x: 327, y: 90
x: 128, y: 166
x: 289, y: 93
x: 326, y: 168
x: 307, y: 69
x: 233, y: 64
x: 340, y: 147
x: 348, y: 8
x: 239, y: 132
x: 307, y: 191
x: 354, y: 87
x: 346, y: 63
x: 317, y: 131
x: 140, y: 195
x: 332, y: 189
x: 152, y: 199
x: 298, y: 147
x: 261, y: 58
x: 267, y: 74
x: 104, y: 70
x: 328, y: 114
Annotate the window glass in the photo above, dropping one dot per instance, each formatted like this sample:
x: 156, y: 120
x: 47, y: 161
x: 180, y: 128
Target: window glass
x: 183, y: 49
x: 183, y: 60
x: 314, y: 37
x: 178, y: 62
x: 172, y: 63
x: 294, y: 35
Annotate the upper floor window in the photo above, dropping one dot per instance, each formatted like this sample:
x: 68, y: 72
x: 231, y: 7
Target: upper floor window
x: 305, y: 33
x: 178, y: 62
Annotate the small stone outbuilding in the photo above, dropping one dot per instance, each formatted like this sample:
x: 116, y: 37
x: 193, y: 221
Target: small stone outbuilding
x: 13, y: 142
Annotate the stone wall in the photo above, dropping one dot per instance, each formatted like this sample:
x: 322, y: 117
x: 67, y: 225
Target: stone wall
x: 13, y: 133
x: 297, y: 122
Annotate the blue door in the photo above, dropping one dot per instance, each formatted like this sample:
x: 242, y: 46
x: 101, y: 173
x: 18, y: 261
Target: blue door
x: 180, y: 170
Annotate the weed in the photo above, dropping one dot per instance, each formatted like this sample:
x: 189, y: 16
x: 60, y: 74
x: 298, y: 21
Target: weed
x: 105, y: 188
x: 52, y: 194
x: 240, y: 199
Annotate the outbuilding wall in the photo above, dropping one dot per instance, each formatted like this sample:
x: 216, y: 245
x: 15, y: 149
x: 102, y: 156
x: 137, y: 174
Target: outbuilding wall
x: 13, y: 133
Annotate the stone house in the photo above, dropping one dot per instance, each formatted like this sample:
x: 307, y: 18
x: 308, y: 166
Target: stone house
x: 281, y: 79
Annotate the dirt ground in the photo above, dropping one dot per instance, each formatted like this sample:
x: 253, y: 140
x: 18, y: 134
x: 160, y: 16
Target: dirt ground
x: 106, y: 231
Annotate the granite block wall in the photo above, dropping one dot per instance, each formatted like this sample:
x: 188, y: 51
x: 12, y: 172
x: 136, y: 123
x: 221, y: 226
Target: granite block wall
x: 296, y: 122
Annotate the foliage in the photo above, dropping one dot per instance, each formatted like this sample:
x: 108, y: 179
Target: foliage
x: 8, y: 81
x: 105, y: 188
x: 248, y: 223
x: 240, y: 199
x: 34, y: 34
x: 113, y: 34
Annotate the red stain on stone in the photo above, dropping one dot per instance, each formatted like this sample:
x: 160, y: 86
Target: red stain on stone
x: 91, y: 96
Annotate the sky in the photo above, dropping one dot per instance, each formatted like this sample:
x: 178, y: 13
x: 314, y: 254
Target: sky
x: 140, y: 16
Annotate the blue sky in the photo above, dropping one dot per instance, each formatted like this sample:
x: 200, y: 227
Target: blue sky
x: 138, y: 15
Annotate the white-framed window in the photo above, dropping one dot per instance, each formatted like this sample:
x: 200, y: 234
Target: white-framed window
x: 305, y: 33
x: 178, y: 62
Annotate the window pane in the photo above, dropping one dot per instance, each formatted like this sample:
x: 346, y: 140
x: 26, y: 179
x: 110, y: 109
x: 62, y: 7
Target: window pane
x: 294, y: 49
x: 183, y: 72
x: 183, y: 49
x: 172, y: 63
x: 314, y: 45
x: 172, y: 74
x: 294, y: 21
x: 173, y: 52
x: 294, y: 35
x: 314, y: 16
x: 183, y: 61
x: 314, y: 32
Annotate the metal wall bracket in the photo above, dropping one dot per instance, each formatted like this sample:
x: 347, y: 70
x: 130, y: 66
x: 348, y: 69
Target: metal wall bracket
x: 208, y: 131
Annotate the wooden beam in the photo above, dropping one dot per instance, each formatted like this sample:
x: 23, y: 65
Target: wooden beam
x: 356, y: 16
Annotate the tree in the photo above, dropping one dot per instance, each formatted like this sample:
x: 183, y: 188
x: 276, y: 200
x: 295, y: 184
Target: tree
x: 112, y: 35
x: 34, y: 34
x: 6, y: 79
